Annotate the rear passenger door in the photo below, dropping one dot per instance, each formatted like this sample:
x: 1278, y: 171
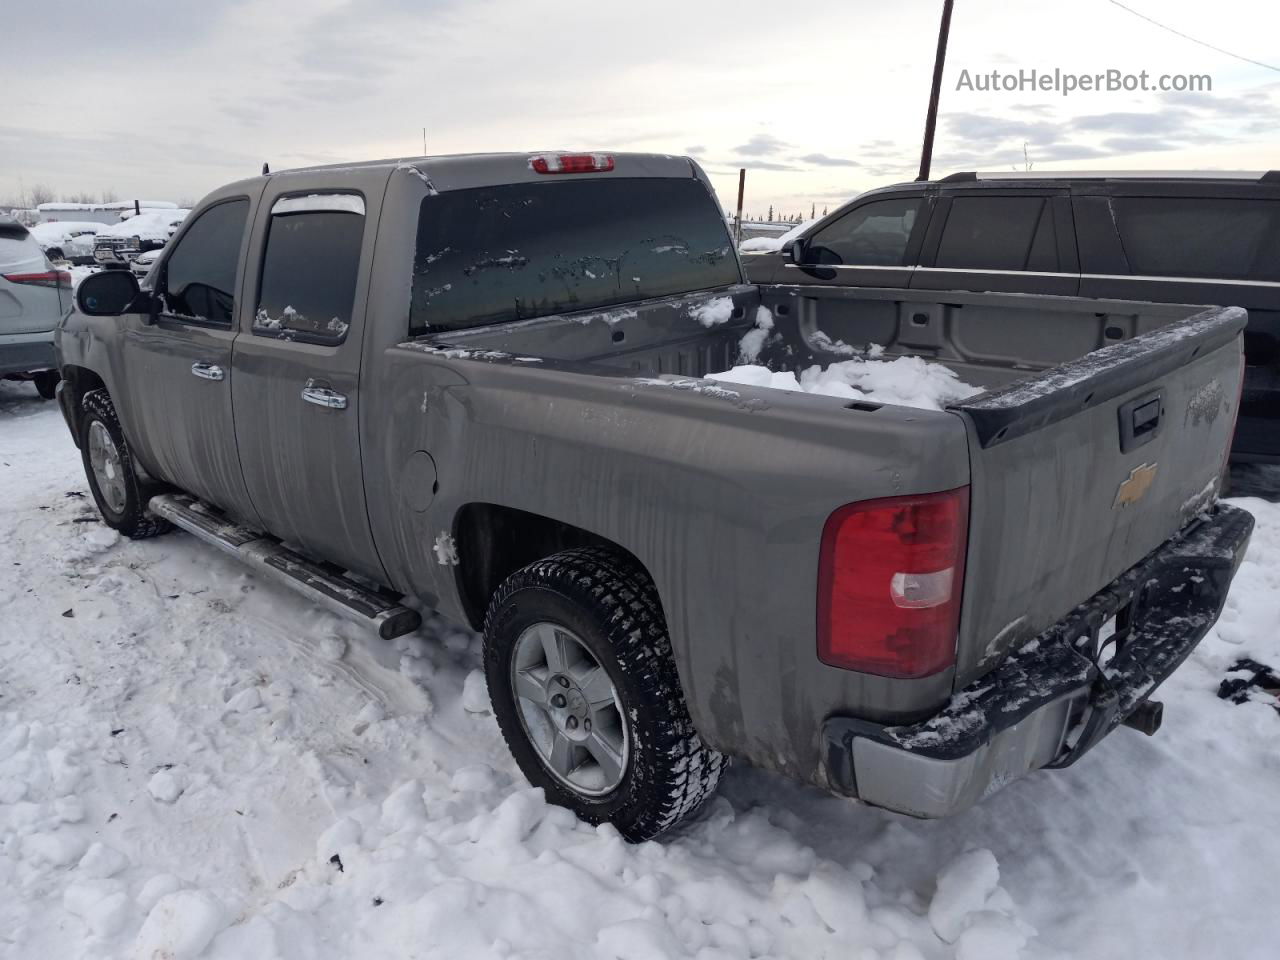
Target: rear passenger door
x: 297, y: 364
x: 1012, y: 241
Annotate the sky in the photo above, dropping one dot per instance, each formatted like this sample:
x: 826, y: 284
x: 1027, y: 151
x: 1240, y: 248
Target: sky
x: 817, y: 102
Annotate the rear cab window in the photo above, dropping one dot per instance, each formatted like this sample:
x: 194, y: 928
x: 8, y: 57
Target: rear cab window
x: 518, y: 251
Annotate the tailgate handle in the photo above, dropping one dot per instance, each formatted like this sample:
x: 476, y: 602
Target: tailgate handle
x: 1140, y: 420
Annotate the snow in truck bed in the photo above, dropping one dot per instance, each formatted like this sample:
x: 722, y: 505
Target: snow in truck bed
x: 196, y: 763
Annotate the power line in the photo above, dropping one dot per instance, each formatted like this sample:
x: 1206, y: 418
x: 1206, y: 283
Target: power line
x: 1187, y: 36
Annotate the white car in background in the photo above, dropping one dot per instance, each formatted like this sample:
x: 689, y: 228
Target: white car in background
x: 33, y: 298
x: 70, y: 240
x: 141, y: 264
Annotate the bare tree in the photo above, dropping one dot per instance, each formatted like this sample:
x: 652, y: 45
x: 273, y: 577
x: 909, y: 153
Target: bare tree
x: 109, y: 195
x: 40, y: 193
x: 1026, y: 159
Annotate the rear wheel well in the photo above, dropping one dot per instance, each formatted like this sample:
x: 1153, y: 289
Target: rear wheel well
x: 494, y: 542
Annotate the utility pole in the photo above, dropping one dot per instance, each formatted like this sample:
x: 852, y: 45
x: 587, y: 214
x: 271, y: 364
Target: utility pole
x: 424, y: 141
x: 737, y: 222
x: 931, y: 120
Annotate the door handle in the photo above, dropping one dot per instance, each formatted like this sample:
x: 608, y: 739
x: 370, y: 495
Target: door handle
x: 324, y: 397
x: 208, y: 371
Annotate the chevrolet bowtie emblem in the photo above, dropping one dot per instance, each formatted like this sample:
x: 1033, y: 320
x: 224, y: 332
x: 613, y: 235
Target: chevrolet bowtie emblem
x: 1135, y: 487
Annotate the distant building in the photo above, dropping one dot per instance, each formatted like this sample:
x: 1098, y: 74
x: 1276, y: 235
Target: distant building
x: 112, y: 212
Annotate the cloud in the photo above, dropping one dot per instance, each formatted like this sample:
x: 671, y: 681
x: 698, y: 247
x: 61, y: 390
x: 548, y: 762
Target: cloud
x: 761, y: 145
x: 1139, y: 144
x: 1168, y: 122
x: 981, y: 128
x: 695, y: 151
x: 979, y: 140
x: 822, y: 160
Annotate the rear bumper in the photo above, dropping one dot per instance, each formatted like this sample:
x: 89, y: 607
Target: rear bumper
x: 1049, y: 702
x: 27, y: 353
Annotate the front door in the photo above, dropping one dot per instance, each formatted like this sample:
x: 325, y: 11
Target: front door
x: 177, y: 364
x: 297, y: 370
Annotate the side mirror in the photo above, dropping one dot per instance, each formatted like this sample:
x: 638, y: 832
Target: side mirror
x: 796, y: 251
x: 107, y: 294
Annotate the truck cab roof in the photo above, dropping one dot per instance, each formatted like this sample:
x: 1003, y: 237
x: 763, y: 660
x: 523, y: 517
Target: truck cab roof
x: 468, y: 170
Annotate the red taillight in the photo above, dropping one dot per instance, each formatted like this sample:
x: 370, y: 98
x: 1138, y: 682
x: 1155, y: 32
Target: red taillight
x: 571, y: 163
x: 890, y: 576
x: 46, y: 278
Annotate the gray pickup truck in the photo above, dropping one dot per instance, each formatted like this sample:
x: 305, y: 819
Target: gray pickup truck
x: 477, y: 384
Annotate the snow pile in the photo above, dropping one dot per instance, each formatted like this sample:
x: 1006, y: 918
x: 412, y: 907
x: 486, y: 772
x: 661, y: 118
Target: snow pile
x: 148, y: 225
x: 714, y: 312
x: 906, y: 381
x: 752, y: 341
x: 774, y: 244
x: 59, y: 232
x: 196, y: 763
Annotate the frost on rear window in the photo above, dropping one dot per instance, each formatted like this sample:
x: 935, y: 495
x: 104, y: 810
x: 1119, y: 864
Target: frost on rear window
x: 520, y: 251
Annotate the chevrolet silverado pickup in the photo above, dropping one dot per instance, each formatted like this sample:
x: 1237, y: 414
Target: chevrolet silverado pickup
x: 479, y: 385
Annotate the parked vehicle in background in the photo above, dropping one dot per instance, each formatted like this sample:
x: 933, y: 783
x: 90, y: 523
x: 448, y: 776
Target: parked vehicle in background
x: 149, y: 230
x: 104, y: 213
x: 70, y: 240
x: 33, y: 298
x: 143, y: 262
x: 1196, y: 237
x: 477, y: 381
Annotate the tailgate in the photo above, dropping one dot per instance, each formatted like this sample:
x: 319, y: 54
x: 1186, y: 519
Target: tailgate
x: 1080, y: 472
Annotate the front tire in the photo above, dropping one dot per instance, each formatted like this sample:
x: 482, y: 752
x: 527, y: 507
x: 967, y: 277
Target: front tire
x: 585, y: 691
x: 121, y: 497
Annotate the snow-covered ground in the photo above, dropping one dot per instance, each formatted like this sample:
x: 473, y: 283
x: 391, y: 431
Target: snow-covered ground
x: 193, y: 762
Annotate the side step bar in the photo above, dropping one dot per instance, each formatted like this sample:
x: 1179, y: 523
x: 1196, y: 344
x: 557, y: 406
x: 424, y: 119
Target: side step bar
x: 337, y: 592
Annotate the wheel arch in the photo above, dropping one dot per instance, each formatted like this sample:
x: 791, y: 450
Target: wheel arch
x: 494, y: 541
x: 79, y: 381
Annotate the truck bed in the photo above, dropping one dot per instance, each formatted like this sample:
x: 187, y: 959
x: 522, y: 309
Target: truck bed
x: 989, y: 340
x: 1045, y: 453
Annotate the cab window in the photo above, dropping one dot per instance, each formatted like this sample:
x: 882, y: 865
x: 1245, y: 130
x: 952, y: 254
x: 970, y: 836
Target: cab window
x: 200, y: 274
x: 874, y: 234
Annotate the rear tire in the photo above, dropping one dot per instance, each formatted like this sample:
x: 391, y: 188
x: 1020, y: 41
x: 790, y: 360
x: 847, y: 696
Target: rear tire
x: 601, y: 612
x: 121, y: 497
x: 47, y: 383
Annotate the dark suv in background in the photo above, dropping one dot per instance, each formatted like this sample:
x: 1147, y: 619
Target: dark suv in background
x: 1188, y: 238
